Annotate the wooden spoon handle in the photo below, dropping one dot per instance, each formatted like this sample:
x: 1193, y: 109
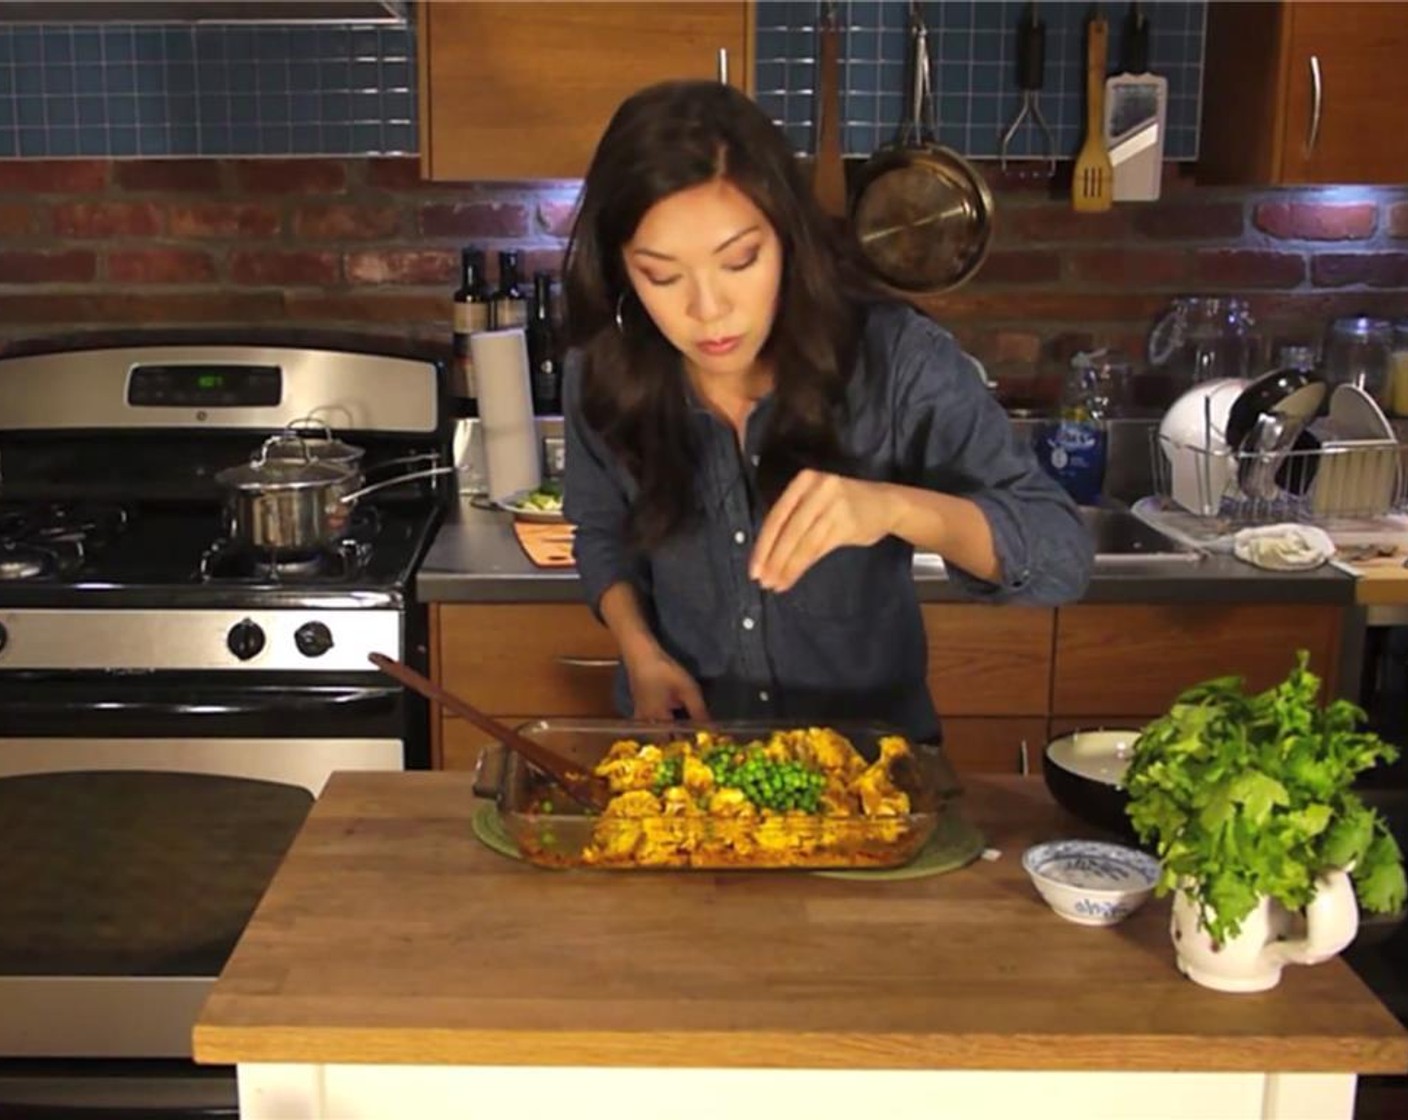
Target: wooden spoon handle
x: 591, y: 792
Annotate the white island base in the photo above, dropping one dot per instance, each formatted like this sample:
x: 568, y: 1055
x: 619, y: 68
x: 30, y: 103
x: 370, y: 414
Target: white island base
x: 378, y: 1092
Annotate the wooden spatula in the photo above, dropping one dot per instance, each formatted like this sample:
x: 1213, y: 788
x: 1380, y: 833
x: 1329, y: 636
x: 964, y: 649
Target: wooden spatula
x: 589, y: 791
x: 1093, y: 186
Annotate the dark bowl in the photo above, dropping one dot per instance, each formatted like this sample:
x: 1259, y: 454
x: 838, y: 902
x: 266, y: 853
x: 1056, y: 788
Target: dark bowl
x: 1270, y: 393
x: 1083, y: 769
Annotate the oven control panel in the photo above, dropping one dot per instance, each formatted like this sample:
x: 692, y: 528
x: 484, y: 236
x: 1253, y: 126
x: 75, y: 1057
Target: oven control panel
x: 205, y: 385
x: 278, y: 640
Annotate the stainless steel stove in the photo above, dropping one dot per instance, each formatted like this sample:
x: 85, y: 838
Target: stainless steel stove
x: 171, y: 702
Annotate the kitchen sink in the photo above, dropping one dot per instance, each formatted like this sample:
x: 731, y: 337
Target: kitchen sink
x: 1120, y: 538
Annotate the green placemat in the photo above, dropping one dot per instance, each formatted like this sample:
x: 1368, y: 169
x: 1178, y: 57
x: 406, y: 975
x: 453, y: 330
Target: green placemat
x: 490, y: 830
x: 954, y: 844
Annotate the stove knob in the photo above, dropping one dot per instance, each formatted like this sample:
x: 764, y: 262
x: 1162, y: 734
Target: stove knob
x: 245, y: 639
x: 313, y: 639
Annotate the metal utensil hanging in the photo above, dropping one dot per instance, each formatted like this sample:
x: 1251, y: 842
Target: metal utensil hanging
x: 921, y: 212
x: 1031, y: 68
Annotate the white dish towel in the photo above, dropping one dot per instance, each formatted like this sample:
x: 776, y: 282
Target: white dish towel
x: 1287, y: 547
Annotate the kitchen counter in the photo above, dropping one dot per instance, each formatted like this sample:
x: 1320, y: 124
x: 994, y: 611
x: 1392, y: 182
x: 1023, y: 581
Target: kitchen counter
x: 476, y: 558
x: 397, y: 967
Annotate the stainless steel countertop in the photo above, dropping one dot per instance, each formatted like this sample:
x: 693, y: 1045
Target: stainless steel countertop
x: 476, y: 558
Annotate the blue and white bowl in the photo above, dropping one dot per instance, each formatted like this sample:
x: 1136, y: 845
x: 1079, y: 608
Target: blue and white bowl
x: 1091, y: 882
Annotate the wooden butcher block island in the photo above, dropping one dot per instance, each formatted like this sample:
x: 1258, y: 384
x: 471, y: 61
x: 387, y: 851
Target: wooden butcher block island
x: 397, y: 967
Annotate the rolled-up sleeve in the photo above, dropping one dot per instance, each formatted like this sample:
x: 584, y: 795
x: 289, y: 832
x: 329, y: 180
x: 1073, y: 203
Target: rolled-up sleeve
x: 594, y: 500
x: 954, y: 437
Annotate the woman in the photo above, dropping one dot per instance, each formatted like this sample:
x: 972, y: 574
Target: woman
x: 757, y: 440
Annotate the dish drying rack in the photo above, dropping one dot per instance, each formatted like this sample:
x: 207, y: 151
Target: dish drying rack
x: 1337, y: 484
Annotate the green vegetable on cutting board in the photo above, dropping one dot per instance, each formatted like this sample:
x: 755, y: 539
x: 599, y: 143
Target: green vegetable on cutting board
x: 547, y: 497
x: 1251, y: 795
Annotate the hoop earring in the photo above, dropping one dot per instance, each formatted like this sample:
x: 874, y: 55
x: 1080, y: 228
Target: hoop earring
x: 620, y: 309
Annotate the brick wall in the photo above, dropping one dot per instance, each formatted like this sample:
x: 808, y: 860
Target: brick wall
x: 363, y: 244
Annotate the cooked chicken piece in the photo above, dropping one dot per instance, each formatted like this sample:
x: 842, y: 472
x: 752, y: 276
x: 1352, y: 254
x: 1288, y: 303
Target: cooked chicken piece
x: 679, y: 803
x: 637, y: 803
x: 878, y: 795
x: 731, y: 803
x: 832, y: 752
x: 697, y: 778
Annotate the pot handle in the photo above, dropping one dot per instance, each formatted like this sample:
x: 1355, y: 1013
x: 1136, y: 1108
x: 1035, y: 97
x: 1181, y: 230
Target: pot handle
x: 401, y: 460
x: 385, y: 482
x: 916, y: 131
x: 296, y: 427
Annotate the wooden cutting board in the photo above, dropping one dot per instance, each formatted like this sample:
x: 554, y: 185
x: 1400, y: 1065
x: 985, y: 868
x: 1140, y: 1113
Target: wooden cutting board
x: 1381, y: 580
x: 548, y: 544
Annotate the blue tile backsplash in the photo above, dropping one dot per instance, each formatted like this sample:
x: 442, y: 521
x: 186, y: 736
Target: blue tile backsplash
x: 220, y: 90
x: 206, y: 90
x: 972, y: 47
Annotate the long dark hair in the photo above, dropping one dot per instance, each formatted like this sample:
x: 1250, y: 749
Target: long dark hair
x: 665, y: 139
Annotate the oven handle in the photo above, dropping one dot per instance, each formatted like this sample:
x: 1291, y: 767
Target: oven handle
x: 213, y: 702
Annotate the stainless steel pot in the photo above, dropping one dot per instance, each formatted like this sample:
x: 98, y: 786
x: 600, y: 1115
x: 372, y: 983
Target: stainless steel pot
x: 295, y: 506
x: 296, y: 445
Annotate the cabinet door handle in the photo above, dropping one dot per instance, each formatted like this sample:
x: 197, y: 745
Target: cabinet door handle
x: 1317, y: 101
x: 589, y: 662
x: 1023, y: 763
x: 723, y: 65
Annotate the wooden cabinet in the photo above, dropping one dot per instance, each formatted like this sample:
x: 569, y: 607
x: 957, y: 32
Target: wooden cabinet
x: 523, y: 91
x: 994, y: 744
x: 1119, y: 661
x: 989, y: 661
x: 1263, y: 119
x: 543, y: 659
x: 1001, y: 676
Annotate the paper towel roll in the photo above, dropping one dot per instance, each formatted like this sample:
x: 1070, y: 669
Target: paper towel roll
x: 511, y: 451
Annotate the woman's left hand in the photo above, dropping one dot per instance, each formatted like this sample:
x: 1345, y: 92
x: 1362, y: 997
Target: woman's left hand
x: 818, y: 513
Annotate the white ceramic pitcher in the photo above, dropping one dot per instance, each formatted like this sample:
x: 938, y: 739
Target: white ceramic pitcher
x: 1271, y: 937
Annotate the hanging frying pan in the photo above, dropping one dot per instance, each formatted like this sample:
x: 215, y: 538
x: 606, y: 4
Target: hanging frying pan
x: 921, y: 212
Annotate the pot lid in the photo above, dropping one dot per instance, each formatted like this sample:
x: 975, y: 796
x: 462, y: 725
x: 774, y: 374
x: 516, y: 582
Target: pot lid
x: 299, y: 449
x: 281, y: 474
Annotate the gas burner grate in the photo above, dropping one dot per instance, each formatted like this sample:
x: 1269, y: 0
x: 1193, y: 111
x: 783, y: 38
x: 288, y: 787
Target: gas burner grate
x: 38, y: 561
x: 45, y: 523
x: 225, y: 561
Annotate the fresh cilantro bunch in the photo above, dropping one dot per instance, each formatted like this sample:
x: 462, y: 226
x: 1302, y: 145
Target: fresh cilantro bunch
x: 1250, y: 795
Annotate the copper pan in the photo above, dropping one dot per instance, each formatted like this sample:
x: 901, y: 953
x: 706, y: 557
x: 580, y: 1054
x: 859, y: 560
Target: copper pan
x: 922, y: 214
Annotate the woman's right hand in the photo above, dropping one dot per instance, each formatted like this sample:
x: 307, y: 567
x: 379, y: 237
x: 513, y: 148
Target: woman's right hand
x: 660, y: 687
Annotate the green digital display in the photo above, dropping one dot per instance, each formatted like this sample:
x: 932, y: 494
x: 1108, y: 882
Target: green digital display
x: 210, y: 381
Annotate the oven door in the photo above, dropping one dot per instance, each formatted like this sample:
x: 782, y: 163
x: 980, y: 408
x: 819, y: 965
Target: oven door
x: 142, y: 817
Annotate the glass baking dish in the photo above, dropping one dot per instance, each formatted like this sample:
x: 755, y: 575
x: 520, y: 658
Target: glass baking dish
x: 552, y: 830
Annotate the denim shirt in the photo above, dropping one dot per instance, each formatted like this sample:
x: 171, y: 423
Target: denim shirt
x: 847, y: 641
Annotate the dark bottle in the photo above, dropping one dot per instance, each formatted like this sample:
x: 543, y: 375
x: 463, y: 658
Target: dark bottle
x: 511, y: 297
x: 544, y: 366
x: 470, y: 313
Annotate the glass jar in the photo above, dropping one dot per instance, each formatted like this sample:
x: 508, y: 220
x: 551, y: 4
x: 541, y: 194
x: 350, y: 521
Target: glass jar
x: 1205, y: 338
x: 1398, y: 370
x: 1357, y: 353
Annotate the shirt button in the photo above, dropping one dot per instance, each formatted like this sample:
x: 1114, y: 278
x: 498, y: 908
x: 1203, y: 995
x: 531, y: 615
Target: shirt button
x: 739, y: 537
x: 748, y: 624
x: 763, y: 696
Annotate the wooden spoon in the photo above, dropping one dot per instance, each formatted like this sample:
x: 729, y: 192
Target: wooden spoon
x: 592, y: 792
